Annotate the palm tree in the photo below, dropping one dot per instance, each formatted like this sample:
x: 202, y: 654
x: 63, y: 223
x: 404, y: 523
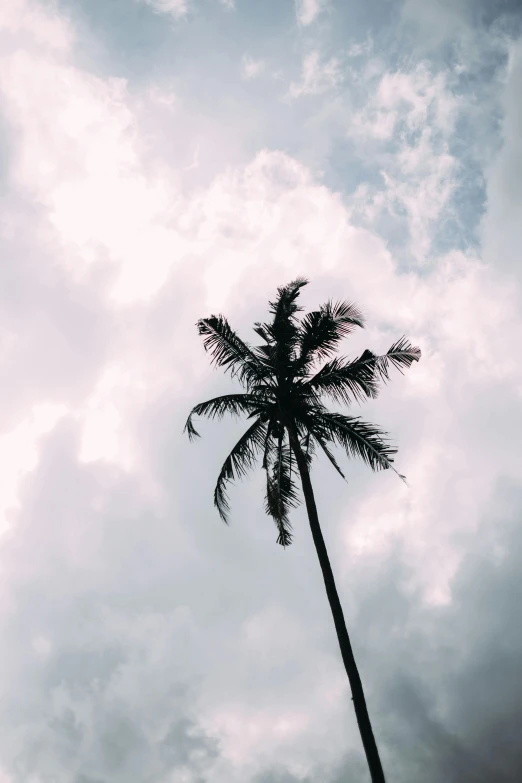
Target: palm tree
x: 286, y: 379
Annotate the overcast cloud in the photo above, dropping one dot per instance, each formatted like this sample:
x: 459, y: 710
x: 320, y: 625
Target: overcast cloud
x: 161, y: 160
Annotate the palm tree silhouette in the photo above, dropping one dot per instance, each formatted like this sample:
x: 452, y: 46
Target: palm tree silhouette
x: 286, y: 379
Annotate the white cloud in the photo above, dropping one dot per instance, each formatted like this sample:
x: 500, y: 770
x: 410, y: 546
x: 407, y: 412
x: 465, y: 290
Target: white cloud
x: 437, y: 21
x: 93, y: 195
x: 284, y: 216
x: 115, y: 572
x: 361, y: 48
x: 25, y: 20
x: 307, y: 11
x: 419, y: 95
x: 317, y: 76
x: 251, y: 68
x: 406, y: 125
x: 176, y: 8
x: 19, y: 455
x: 501, y: 224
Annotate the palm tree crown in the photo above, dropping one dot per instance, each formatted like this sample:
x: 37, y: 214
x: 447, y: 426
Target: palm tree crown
x: 287, y: 380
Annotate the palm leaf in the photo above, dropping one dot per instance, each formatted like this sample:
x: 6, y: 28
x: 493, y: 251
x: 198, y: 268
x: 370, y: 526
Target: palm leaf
x: 229, y: 351
x: 216, y: 408
x: 239, y: 461
x: 329, y: 454
x: 285, y: 305
x: 322, y: 330
x: 281, y: 491
x: 356, y: 437
x: 283, y: 332
x: 344, y: 381
x: 401, y: 355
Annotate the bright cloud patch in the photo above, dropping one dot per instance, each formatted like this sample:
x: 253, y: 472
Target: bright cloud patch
x: 251, y: 68
x: 317, y: 76
x: 23, y: 20
x: 406, y: 126
x: 176, y: 8
x: 308, y: 10
x: 501, y: 222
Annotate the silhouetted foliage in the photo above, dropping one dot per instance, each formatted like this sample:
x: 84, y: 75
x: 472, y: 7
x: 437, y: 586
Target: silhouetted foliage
x: 287, y: 378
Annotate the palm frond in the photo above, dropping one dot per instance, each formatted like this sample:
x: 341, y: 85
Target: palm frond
x: 356, y: 437
x: 401, y: 355
x: 281, y: 491
x: 229, y: 351
x: 216, y: 408
x: 344, y: 381
x: 263, y: 330
x: 266, y: 352
x: 283, y: 331
x: 322, y: 330
x: 276, y: 339
x: 329, y: 454
x: 239, y: 461
x: 285, y: 305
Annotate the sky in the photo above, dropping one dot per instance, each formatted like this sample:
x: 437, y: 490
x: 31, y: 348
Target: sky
x: 162, y: 160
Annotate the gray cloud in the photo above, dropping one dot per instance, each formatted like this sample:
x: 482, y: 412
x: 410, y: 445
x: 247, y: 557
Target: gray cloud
x: 501, y: 223
x: 142, y: 639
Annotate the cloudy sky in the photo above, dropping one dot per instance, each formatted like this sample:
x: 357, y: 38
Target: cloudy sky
x: 161, y: 160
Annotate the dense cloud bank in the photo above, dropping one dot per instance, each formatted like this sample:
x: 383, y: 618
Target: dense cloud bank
x: 143, y: 186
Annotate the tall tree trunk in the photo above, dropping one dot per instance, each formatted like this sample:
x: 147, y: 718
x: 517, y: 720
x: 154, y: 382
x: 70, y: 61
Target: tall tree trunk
x: 359, y: 702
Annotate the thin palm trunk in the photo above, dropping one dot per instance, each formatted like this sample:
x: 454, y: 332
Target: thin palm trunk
x: 359, y: 702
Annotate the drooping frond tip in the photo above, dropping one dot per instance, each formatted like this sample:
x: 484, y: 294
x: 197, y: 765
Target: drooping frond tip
x: 216, y: 408
x: 357, y: 438
x: 237, y: 464
x: 190, y: 429
x: 281, y: 491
